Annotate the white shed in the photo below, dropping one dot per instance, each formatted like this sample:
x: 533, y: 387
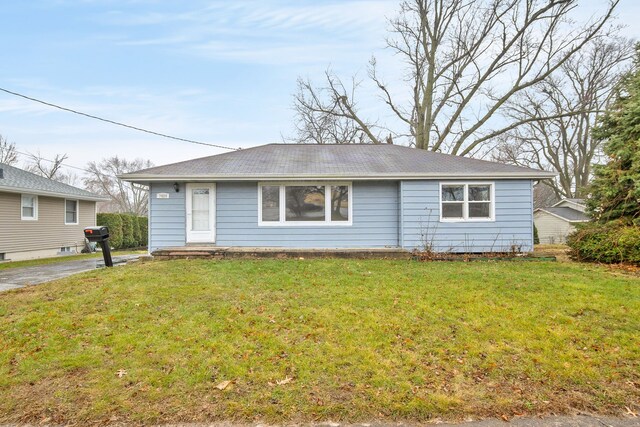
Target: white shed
x: 556, y: 222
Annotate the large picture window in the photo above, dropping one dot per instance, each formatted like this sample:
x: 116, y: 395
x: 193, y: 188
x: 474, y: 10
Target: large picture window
x: 466, y: 201
x: 304, y: 204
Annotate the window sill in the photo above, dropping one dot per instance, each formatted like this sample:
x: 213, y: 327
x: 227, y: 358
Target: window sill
x: 468, y: 220
x: 305, y: 224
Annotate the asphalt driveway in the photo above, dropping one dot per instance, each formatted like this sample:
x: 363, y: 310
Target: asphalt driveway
x: 13, y: 278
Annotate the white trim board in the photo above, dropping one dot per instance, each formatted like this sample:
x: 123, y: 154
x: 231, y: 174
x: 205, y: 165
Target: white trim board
x: 309, y: 177
x: 204, y: 236
x: 64, y: 212
x: 465, y: 202
x: 283, y: 211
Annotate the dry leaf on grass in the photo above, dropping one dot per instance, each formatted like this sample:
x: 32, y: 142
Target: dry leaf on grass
x: 121, y: 373
x: 287, y: 380
x: 223, y: 385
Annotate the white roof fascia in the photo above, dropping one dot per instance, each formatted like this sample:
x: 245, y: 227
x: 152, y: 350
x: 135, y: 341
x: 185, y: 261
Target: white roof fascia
x: 570, y: 202
x: 310, y: 177
x: 69, y: 196
x: 558, y: 216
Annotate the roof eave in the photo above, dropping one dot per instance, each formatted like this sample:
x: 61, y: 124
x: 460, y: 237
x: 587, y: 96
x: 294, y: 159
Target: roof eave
x: 311, y: 177
x: 560, y: 216
x: 20, y: 190
x: 570, y: 202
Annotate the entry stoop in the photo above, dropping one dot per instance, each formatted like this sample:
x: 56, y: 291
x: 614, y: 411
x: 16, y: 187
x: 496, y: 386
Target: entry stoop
x: 219, y: 252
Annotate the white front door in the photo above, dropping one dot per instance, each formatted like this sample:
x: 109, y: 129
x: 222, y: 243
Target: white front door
x: 201, y: 209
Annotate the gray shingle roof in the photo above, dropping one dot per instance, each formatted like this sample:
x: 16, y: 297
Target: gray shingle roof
x: 575, y: 201
x: 567, y: 213
x: 20, y: 181
x: 356, y: 161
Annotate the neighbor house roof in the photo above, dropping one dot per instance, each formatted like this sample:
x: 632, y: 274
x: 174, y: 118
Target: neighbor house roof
x: 568, y: 214
x: 14, y: 180
x: 337, y: 161
x: 579, y: 202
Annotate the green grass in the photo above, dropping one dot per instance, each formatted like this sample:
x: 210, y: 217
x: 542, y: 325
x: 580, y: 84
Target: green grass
x: 361, y: 340
x: 63, y: 258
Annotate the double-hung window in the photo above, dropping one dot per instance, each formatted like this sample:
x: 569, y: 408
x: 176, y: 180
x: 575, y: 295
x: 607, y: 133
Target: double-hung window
x: 467, y: 201
x: 71, y: 212
x: 304, y: 204
x: 29, y: 207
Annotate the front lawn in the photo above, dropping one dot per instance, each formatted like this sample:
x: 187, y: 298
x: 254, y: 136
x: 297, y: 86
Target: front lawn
x: 304, y: 340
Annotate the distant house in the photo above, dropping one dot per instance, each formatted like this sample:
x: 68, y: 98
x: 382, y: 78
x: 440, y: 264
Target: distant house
x: 40, y: 217
x: 341, y: 196
x: 556, y: 222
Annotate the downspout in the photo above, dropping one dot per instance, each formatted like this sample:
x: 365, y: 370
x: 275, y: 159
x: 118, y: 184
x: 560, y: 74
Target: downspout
x: 149, y: 220
x: 532, y: 221
x: 401, y: 214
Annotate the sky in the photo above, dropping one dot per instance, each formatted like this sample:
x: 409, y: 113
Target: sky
x: 221, y: 72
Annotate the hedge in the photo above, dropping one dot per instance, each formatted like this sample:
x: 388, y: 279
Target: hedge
x: 128, y: 232
x: 144, y: 230
x: 114, y: 222
x: 125, y: 230
x: 610, y: 242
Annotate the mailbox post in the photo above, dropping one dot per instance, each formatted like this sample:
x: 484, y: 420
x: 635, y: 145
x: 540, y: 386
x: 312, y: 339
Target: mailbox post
x: 100, y: 235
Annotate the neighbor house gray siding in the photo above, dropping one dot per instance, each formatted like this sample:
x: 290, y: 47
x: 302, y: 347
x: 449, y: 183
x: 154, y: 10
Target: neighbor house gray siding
x: 167, y: 217
x: 375, y: 220
x: 513, y: 223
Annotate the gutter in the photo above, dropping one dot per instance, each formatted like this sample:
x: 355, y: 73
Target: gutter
x: 570, y: 221
x: 18, y: 190
x: 314, y: 177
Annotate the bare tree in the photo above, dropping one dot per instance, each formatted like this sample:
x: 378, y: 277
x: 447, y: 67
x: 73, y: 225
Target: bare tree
x: 464, y: 60
x: 46, y: 168
x: 329, y: 115
x: 51, y: 169
x: 543, y: 195
x: 560, y: 113
x: 8, y: 154
x: 125, y: 196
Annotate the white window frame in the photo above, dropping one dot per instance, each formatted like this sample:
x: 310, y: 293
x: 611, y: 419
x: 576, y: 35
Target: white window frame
x: 465, y: 202
x: 35, y: 208
x: 77, y: 212
x: 283, y: 208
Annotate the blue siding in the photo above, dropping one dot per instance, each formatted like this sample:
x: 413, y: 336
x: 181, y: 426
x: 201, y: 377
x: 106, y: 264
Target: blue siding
x: 513, y: 223
x: 375, y: 220
x: 167, y: 217
x: 377, y: 210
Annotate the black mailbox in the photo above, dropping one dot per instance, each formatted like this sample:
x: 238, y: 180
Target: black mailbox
x: 96, y: 234
x: 100, y: 235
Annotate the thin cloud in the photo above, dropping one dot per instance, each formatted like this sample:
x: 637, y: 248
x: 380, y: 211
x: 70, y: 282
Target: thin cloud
x: 259, y: 32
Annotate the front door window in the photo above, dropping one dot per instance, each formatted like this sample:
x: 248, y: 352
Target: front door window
x: 200, y: 209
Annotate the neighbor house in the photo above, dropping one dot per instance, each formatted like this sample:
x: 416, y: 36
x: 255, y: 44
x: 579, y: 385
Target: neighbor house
x: 341, y: 196
x: 556, y: 222
x: 40, y: 217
